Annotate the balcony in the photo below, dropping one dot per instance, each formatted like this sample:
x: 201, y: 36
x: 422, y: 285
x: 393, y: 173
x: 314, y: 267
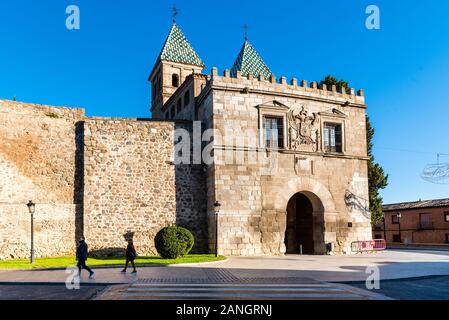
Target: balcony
x: 425, y: 225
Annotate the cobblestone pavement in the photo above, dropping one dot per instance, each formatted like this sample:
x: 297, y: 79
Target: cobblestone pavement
x: 47, y: 292
x: 223, y: 284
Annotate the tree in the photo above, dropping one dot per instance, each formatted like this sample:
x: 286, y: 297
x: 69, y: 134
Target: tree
x: 329, y: 81
x: 377, y: 179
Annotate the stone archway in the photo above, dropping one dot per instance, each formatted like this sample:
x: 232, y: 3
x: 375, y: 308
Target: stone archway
x: 274, y: 214
x: 305, y: 224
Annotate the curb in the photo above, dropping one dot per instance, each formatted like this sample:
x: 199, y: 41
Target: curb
x: 121, y: 265
x: 197, y: 263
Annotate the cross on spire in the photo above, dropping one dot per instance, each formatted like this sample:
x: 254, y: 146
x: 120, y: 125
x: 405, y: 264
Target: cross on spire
x: 175, y: 12
x: 245, y: 28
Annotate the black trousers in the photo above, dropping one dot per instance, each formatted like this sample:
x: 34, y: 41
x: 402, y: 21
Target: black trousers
x: 82, y: 264
x: 132, y: 263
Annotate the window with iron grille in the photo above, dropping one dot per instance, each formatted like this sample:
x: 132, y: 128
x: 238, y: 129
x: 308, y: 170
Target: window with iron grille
x: 394, y: 219
x: 274, y: 132
x: 396, y: 238
x: 447, y: 237
x: 333, y: 137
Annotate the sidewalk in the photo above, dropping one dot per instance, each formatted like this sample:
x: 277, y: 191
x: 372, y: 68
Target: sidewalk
x: 393, y: 264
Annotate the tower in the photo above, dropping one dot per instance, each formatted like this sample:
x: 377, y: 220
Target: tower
x: 249, y: 62
x: 176, y: 61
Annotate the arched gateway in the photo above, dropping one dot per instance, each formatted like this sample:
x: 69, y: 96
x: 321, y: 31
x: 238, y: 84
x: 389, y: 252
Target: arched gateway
x: 305, y: 224
x: 304, y: 205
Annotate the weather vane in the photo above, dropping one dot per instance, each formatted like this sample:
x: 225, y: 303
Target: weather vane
x: 175, y: 12
x: 245, y: 28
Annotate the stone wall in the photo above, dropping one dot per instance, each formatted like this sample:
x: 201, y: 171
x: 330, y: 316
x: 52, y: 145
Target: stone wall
x: 131, y: 185
x: 98, y: 177
x: 37, y: 162
x: 54, y: 230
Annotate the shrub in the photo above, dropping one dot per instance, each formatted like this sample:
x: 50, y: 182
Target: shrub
x: 173, y: 242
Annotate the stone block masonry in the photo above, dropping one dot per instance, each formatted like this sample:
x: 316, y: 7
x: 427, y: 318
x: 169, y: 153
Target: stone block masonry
x: 38, y: 162
x: 131, y: 185
x: 98, y: 177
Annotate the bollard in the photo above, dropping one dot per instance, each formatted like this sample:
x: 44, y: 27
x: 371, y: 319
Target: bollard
x: 300, y: 249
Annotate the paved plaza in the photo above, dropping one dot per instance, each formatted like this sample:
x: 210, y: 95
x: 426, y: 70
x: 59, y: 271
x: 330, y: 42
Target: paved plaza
x: 290, y: 276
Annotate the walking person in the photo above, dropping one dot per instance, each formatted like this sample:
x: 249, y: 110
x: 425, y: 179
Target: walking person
x: 131, y: 254
x: 81, y: 256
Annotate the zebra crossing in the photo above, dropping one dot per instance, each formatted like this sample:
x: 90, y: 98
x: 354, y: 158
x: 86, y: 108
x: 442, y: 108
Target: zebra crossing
x: 267, y: 290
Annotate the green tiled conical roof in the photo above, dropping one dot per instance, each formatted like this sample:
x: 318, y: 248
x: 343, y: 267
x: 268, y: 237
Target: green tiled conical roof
x: 250, y: 62
x: 177, y: 49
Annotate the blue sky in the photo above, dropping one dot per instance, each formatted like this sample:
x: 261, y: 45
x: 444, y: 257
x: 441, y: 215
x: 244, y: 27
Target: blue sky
x: 103, y: 67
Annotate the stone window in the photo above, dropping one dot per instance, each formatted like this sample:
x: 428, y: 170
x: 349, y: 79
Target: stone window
x: 333, y: 141
x: 187, y: 98
x: 175, y: 80
x: 446, y: 216
x: 178, y: 106
x: 273, y: 132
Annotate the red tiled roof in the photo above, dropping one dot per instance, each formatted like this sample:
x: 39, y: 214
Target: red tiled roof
x: 416, y: 205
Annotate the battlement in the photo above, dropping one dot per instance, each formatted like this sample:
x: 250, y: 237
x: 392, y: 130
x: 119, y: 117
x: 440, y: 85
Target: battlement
x: 249, y: 84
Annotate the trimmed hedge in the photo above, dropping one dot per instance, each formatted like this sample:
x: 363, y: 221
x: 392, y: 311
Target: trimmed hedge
x: 173, y: 242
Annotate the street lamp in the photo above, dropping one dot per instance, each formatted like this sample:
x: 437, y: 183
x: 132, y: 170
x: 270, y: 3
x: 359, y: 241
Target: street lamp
x: 31, y: 207
x: 217, y: 206
x: 399, y: 215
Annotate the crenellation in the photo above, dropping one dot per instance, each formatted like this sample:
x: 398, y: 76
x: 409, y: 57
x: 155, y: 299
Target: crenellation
x: 283, y: 80
x: 259, y: 83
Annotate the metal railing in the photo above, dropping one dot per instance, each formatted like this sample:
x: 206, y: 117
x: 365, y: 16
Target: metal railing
x: 370, y: 245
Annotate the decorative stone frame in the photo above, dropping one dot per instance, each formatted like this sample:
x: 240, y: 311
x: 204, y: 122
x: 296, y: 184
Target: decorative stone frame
x: 273, y: 109
x: 334, y: 117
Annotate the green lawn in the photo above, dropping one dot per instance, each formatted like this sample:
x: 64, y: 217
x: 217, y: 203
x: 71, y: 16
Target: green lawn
x: 62, y: 262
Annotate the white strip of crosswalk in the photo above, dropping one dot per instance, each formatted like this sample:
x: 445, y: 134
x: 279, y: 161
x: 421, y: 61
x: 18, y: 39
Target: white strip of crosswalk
x: 236, y: 291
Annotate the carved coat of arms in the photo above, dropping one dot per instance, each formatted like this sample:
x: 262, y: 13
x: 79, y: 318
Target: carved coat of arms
x: 304, y: 132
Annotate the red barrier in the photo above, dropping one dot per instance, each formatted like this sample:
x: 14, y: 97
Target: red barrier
x: 370, y: 245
